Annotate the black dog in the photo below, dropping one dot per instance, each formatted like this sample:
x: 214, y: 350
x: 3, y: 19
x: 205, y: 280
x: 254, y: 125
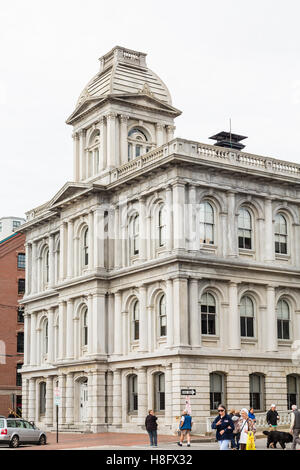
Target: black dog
x: 278, y: 436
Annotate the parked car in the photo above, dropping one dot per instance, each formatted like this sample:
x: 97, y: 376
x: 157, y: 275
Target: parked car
x: 15, y: 431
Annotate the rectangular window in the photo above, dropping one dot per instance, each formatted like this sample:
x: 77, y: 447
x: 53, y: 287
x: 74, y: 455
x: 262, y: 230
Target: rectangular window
x: 283, y: 329
x: 16, y: 225
x: 21, y: 286
x: 20, y: 343
x: 21, y: 315
x: 21, y: 261
x: 247, y: 327
x: 19, y: 376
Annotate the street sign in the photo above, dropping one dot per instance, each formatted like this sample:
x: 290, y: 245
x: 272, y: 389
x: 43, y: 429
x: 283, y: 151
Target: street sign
x: 188, y: 391
x: 57, y: 396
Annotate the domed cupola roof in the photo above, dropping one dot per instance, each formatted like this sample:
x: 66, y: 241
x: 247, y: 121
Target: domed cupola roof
x: 122, y: 72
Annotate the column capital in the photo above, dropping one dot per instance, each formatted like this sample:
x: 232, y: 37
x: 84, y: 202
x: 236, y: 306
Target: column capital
x: 75, y: 135
x: 124, y: 118
x: 82, y: 132
x: 111, y: 116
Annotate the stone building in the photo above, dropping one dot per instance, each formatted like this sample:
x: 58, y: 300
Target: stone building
x: 165, y: 264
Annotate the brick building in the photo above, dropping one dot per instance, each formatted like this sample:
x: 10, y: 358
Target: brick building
x: 12, y: 286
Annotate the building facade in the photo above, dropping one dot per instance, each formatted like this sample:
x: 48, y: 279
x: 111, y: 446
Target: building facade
x: 9, y: 225
x: 12, y: 288
x: 165, y: 264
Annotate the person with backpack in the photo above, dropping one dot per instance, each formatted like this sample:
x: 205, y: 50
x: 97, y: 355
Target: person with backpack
x: 224, y: 427
x: 185, y: 427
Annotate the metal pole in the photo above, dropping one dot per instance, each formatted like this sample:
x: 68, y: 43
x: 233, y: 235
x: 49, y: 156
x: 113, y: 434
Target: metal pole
x: 56, y: 423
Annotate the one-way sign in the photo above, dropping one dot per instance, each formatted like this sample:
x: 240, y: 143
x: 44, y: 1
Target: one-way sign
x: 188, y: 391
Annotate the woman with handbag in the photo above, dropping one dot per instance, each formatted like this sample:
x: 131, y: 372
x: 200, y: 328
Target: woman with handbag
x: 244, y: 426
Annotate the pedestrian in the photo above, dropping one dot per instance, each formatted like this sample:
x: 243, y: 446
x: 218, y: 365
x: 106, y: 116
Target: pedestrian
x: 295, y: 426
x: 185, y: 427
x: 244, y: 425
x: 224, y: 426
x: 252, y: 415
x: 151, y: 428
x: 234, y: 418
x: 236, y: 433
x: 272, y: 417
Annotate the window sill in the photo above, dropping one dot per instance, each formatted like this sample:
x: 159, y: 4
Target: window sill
x: 246, y: 252
x: 210, y: 337
x: 282, y: 257
x: 246, y: 340
x: 284, y: 342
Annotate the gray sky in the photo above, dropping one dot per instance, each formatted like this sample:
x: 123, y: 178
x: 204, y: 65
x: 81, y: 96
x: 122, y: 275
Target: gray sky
x: 219, y: 59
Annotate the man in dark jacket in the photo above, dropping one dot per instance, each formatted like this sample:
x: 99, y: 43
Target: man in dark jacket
x: 272, y: 417
x: 151, y: 428
x: 224, y: 426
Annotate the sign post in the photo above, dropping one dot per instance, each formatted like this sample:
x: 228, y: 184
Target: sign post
x: 188, y: 392
x: 57, y: 403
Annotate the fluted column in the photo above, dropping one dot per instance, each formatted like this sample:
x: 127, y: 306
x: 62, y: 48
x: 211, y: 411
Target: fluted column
x: 178, y: 216
x: 142, y: 394
x: 194, y: 314
x: 232, y: 236
x: 111, y: 140
x: 118, y: 323
x: 169, y: 309
x: 142, y: 224
x: 70, y: 252
x: 269, y: 232
x: 82, y: 155
x: 124, y: 139
x: 143, y: 346
x: 50, y: 335
x: 76, y: 162
x: 33, y: 339
x: 70, y: 329
x: 234, y: 328
x: 180, y: 309
x: 117, y: 398
x: 271, y: 323
x: 70, y: 398
x: 49, y: 401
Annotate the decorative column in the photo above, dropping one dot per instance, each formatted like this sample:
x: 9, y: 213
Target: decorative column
x: 70, y: 252
x: 194, y: 314
x: 170, y: 133
x: 103, y: 137
x: 169, y: 219
x: 99, y: 324
x: 63, y: 249
x: 143, y: 346
x: 178, y: 215
x: 125, y: 339
x: 90, y: 325
x: 169, y: 311
x: 33, y: 339
x: 270, y: 325
x: 91, y: 240
x: 51, y: 335
x: 232, y: 236
x: 117, y: 323
x: 70, y: 398
x: 51, y: 261
x: 192, y: 235
x: 62, y: 407
x: 61, y: 324
x: 34, y: 268
x: 268, y: 232
x: 117, y: 398
x: 49, y: 401
x: 143, y: 237
x: 169, y: 395
x: 142, y: 394
x: 27, y: 270
x: 111, y: 140
x: 159, y: 134
x: 117, y: 224
x: 90, y: 385
x: 76, y: 162
x: 26, y: 339
x: 234, y: 329
x: 99, y: 236
x: 70, y: 329
x: 124, y: 139
x: 82, y: 155
x: 98, y: 399
x: 180, y: 309
x: 224, y: 228
x: 31, y: 399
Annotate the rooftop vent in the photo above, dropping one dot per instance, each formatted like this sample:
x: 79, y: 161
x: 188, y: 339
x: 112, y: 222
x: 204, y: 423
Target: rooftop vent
x: 229, y: 140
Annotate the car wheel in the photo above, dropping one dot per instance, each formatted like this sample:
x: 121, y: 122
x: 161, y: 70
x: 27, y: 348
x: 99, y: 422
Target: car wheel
x: 14, y: 442
x: 42, y: 440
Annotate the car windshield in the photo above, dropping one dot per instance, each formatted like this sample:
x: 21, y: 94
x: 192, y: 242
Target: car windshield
x: 1, y: 423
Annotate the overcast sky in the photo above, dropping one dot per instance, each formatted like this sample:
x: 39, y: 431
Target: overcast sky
x: 219, y: 59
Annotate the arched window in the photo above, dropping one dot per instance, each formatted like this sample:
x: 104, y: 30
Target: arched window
x: 45, y: 336
x: 138, y: 143
x: 136, y: 321
x: 206, y: 223
x: 86, y: 247
x: 257, y: 392
x: 247, y: 317
x: 42, y: 398
x: 280, y: 234
x: 283, y: 320
x: 245, y: 229
x: 293, y: 388
x: 93, y: 154
x: 162, y: 316
x: 162, y: 226
x: 45, y: 267
x: 85, y: 327
x: 217, y: 390
x: 159, y: 392
x: 208, y: 314
x: 132, y: 393
x: 134, y: 235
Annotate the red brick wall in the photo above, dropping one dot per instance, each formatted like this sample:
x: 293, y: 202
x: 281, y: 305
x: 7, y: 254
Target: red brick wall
x: 9, y: 326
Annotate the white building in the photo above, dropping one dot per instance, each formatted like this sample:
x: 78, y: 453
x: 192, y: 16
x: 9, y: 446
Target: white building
x: 166, y: 263
x: 8, y: 225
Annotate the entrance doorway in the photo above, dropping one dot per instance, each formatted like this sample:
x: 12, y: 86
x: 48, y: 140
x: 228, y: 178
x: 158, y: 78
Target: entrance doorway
x: 83, y: 401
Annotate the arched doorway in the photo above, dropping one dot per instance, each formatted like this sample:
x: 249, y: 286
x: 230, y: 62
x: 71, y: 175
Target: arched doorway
x: 83, y: 400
